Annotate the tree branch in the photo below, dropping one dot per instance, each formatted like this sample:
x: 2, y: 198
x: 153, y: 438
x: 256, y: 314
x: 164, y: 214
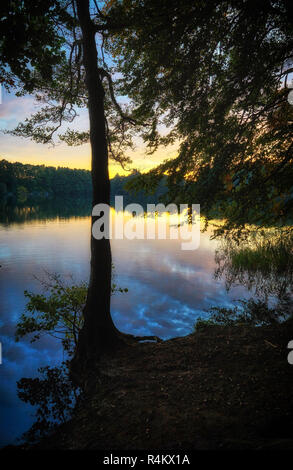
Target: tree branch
x: 107, y: 75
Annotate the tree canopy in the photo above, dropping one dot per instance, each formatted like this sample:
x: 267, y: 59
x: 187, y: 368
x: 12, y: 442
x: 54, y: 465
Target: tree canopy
x: 43, y: 181
x: 213, y: 76
x: 32, y: 36
x: 48, y: 62
x: 217, y: 74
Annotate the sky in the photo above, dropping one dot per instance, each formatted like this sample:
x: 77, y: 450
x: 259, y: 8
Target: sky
x: 15, y: 109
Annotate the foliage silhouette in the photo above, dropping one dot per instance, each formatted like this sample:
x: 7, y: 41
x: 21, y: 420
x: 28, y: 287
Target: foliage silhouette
x: 58, y: 314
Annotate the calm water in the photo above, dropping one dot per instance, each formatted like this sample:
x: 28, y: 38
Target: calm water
x: 168, y: 290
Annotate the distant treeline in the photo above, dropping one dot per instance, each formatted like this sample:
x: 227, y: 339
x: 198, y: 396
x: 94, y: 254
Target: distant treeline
x: 118, y: 188
x: 42, y: 181
x: 24, y: 181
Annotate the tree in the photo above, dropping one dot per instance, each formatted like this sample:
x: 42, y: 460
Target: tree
x: 76, y: 80
x: 55, y: 396
x: 30, y: 44
x: 59, y: 314
x: 210, y: 70
x: 39, y: 180
x: 98, y: 331
x: 217, y: 73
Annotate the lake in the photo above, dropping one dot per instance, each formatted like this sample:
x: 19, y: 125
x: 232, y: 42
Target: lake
x: 168, y: 289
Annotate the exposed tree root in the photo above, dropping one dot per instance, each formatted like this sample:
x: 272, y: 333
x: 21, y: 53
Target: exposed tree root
x: 130, y: 339
x: 83, y: 363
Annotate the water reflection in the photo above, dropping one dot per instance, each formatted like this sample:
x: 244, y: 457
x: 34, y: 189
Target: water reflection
x: 14, y: 212
x: 168, y: 288
x: 263, y: 263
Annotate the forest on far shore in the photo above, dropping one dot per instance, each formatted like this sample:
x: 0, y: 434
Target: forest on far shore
x: 24, y: 181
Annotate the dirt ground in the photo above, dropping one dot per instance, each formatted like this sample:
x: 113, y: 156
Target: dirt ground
x: 219, y: 388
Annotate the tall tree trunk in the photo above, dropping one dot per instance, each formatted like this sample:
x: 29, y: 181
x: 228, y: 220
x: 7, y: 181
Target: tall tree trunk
x: 98, y: 332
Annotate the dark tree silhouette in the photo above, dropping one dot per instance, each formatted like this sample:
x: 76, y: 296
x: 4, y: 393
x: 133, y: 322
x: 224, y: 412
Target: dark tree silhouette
x: 76, y: 79
x: 98, y: 331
